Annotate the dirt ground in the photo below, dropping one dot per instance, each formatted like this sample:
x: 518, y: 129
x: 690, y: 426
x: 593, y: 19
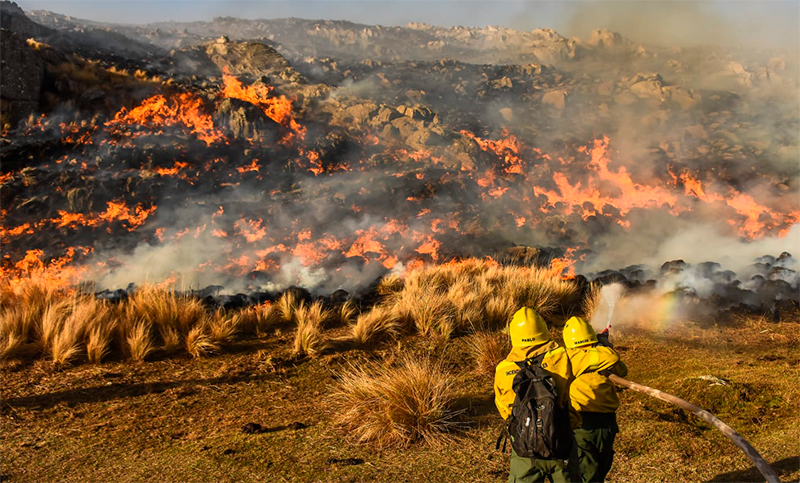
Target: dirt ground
x: 181, y: 419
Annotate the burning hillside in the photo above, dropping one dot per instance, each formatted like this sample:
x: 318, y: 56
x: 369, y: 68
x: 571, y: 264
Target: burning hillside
x: 223, y: 163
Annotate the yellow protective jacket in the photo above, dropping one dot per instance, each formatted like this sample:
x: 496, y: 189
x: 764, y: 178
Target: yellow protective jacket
x: 592, y: 391
x: 555, y: 361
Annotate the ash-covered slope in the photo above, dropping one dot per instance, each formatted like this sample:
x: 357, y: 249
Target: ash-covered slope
x: 232, y: 162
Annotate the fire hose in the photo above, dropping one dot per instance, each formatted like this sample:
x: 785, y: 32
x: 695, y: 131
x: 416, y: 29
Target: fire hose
x: 764, y: 467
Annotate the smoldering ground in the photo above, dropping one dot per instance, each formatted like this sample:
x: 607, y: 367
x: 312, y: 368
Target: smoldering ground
x: 393, y: 182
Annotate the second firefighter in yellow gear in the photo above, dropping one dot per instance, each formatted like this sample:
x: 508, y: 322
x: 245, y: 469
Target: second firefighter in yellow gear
x: 594, y: 396
x: 530, y: 338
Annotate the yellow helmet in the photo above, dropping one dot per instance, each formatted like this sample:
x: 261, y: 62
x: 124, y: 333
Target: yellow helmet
x: 527, y: 328
x: 578, y: 333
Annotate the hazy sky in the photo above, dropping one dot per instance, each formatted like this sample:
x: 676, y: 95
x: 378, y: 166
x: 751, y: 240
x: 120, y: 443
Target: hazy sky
x: 763, y: 23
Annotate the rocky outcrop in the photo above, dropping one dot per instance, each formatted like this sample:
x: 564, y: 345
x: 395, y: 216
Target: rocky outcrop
x: 22, y: 71
x: 254, y: 59
x: 245, y: 121
x: 14, y: 19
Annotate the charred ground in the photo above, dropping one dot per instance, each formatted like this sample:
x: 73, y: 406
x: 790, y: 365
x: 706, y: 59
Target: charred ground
x: 262, y: 154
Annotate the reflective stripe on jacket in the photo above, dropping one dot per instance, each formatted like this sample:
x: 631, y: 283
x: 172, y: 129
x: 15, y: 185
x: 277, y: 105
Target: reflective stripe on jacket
x: 592, y: 391
x: 555, y: 361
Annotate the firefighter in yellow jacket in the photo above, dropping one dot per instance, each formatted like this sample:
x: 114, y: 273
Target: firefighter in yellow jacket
x: 593, y: 395
x: 530, y: 338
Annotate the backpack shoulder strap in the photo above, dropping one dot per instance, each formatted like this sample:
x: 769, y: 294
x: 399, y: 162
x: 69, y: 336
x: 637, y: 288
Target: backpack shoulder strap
x: 536, y: 361
x: 503, y: 437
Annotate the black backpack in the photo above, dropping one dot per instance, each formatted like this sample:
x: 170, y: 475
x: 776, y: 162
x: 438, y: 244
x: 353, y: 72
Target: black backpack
x: 538, y: 426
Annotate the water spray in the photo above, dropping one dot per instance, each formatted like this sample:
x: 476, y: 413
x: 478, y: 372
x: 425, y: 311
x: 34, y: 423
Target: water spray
x: 761, y: 464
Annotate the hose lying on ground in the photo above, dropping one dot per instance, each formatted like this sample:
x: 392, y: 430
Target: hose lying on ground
x: 764, y: 467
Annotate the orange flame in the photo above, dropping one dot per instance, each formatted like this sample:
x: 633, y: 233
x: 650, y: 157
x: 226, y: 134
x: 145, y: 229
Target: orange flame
x: 277, y: 108
x: 159, y: 111
x: 619, y: 190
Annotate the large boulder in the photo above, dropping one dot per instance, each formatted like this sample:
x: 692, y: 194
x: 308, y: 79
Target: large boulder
x: 256, y: 59
x: 556, y: 98
x: 385, y: 115
x: 355, y: 115
x: 648, y: 89
x: 418, y: 113
x: 243, y: 120
x: 683, y: 97
x: 604, y: 38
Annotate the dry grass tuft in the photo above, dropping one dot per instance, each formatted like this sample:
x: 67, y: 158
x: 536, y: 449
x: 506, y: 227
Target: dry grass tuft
x: 309, y: 338
x: 98, y: 341
x: 65, y: 326
x: 458, y: 297
x: 65, y: 344
x: 170, y: 338
x: 222, y: 328
x: 51, y: 323
x: 255, y: 320
x: 345, y: 313
x: 397, y: 406
x: 139, y: 342
x: 199, y: 344
x: 591, y: 301
x: 488, y: 349
x: 99, y: 327
x: 390, y: 284
x: 15, y: 330
x: 164, y: 308
x: 287, y: 306
x: 498, y: 311
x: 435, y: 313
x: 378, y: 324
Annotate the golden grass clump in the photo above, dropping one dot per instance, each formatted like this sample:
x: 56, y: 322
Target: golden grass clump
x: 222, y: 328
x: 488, y: 349
x: 199, y: 344
x: 165, y: 309
x: 15, y: 329
x: 256, y: 320
x: 497, y: 312
x: 93, y: 324
x: 65, y: 344
x: 286, y: 306
x: 309, y: 338
x: 138, y: 340
x: 170, y: 339
x: 345, y: 313
x: 591, y: 301
x: 378, y: 324
x: 435, y: 313
x: 396, y: 406
x: 28, y: 300
x: 390, y: 284
x: 98, y: 341
x: 66, y: 328
x: 473, y: 294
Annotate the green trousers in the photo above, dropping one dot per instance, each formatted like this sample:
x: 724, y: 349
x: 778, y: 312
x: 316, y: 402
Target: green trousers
x: 595, y: 441
x: 530, y: 470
